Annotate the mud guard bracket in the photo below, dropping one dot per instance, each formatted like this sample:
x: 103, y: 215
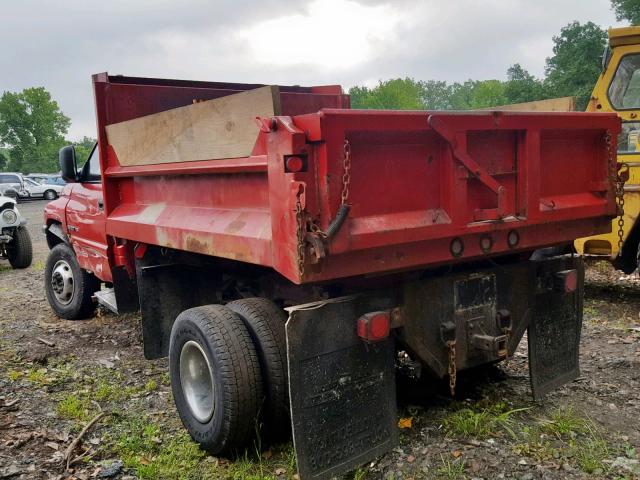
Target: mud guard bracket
x: 342, y: 390
x: 555, y: 327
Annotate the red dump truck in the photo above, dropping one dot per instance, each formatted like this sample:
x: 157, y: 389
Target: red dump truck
x: 282, y: 250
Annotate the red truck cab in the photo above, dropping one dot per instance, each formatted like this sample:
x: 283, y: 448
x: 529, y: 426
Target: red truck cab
x: 281, y: 278
x: 79, y: 216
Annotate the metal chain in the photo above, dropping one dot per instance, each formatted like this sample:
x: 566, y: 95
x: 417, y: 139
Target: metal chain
x: 451, y: 346
x: 620, y: 172
x: 300, y: 233
x: 344, y: 195
x: 346, y: 172
x: 620, y: 201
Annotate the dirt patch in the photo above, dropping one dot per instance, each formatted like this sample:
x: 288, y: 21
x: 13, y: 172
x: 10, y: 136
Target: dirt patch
x: 55, y: 376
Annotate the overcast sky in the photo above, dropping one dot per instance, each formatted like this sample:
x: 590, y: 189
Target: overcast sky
x: 59, y: 44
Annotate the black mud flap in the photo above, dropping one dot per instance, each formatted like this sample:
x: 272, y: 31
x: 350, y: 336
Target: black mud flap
x: 555, y: 327
x: 342, y: 390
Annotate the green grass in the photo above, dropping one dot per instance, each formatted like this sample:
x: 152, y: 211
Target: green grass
x: 14, y: 375
x: 569, y: 437
x: 481, y: 422
x: 74, y: 407
x: 565, y: 422
x: 37, y: 375
x: 39, y: 265
x: 450, y: 469
x: 150, y: 386
x: 143, y: 448
x: 154, y: 453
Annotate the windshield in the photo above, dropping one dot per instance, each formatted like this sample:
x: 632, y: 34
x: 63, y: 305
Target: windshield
x: 31, y: 182
x: 624, y: 91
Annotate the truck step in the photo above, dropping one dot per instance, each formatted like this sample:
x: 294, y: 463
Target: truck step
x: 107, y: 298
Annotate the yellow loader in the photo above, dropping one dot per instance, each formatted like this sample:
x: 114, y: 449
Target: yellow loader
x: 618, y: 90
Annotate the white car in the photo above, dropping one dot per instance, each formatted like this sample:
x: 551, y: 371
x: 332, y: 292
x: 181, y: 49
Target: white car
x: 15, y: 242
x: 40, y: 190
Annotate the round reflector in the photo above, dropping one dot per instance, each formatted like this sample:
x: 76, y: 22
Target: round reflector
x: 456, y: 247
x: 513, y: 238
x: 294, y: 164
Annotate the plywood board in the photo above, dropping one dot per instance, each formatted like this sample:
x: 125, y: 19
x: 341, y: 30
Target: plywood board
x: 224, y: 127
x: 562, y: 104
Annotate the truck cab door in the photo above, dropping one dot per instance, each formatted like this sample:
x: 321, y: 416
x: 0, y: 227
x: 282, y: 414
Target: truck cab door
x: 86, y: 219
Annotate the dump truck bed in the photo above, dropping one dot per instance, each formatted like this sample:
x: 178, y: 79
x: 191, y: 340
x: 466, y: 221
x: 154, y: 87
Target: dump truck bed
x: 420, y: 188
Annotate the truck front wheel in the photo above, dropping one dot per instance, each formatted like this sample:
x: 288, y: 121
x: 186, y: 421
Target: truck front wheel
x: 69, y: 288
x: 215, y: 378
x: 19, y: 250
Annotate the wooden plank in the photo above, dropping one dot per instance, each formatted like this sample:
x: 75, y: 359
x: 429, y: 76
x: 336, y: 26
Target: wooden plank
x: 562, y: 104
x: 224, y: 127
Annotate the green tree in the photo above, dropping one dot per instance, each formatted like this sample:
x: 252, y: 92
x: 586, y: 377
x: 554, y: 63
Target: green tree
x: 83, y: 149
x: 474, y: 94
x: 32, y: 128
x: 576, y: 62
x: 436, y: 95
x: 627, y: 10
x: 3, y: 160
x: 521, y: 86
x: 397, y: 93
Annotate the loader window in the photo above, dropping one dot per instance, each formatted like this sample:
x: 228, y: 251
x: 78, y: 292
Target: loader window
x: 628, y: 140
x: 624, y: 90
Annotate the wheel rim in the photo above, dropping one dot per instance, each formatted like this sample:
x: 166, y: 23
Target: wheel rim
x: 62, y: 282
x: 196, y: 379
x: 50, y: 195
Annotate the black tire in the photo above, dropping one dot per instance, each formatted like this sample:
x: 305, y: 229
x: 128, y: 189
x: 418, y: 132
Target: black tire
x: 266, y: 324
x: 225, y: 341
x: 50, y: 195
x: 20, y: 250
x: 85, y: 284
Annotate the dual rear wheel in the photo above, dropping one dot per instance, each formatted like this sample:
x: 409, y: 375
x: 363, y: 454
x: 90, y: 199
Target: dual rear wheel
x: 228, y: 373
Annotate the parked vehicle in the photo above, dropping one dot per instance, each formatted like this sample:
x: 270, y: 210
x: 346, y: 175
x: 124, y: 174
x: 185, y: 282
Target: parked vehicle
x: 46, y: 190
x: 618, y: 90
x: 15, y: 242
x: 51, y: 178
x: 20, y: 187
x: 11, y: 184
x: 281, y: 263
x: 56, y: 180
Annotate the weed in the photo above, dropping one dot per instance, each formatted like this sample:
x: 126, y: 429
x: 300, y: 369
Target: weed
x: 360, y: 474
x: 569, y: 436
x: 481, y: 422
x: 14, y: 375
x: 37, y: 375
x: 565, y: 423
x: 152, y: 455
x: 590, y: 454
x: 165, y: 379
x: 150, y: 386
x: 450, y: 469
x: 39, y: 265
x: 73, y: 407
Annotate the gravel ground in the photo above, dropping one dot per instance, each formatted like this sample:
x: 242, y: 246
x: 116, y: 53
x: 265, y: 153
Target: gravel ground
x: 55, y: 376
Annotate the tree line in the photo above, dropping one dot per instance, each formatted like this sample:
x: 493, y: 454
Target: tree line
x: 571, y: 71
x: 33, y: 127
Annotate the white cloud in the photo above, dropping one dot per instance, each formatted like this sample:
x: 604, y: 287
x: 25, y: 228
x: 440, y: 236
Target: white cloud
x: 334, y: 34
x: 59, y: 44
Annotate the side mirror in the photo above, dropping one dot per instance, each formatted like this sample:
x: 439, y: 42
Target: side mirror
x: 68, y: 165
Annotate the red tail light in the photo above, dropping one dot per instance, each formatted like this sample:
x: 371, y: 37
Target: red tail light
x: 374, y: 326
x: 566, y: 281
